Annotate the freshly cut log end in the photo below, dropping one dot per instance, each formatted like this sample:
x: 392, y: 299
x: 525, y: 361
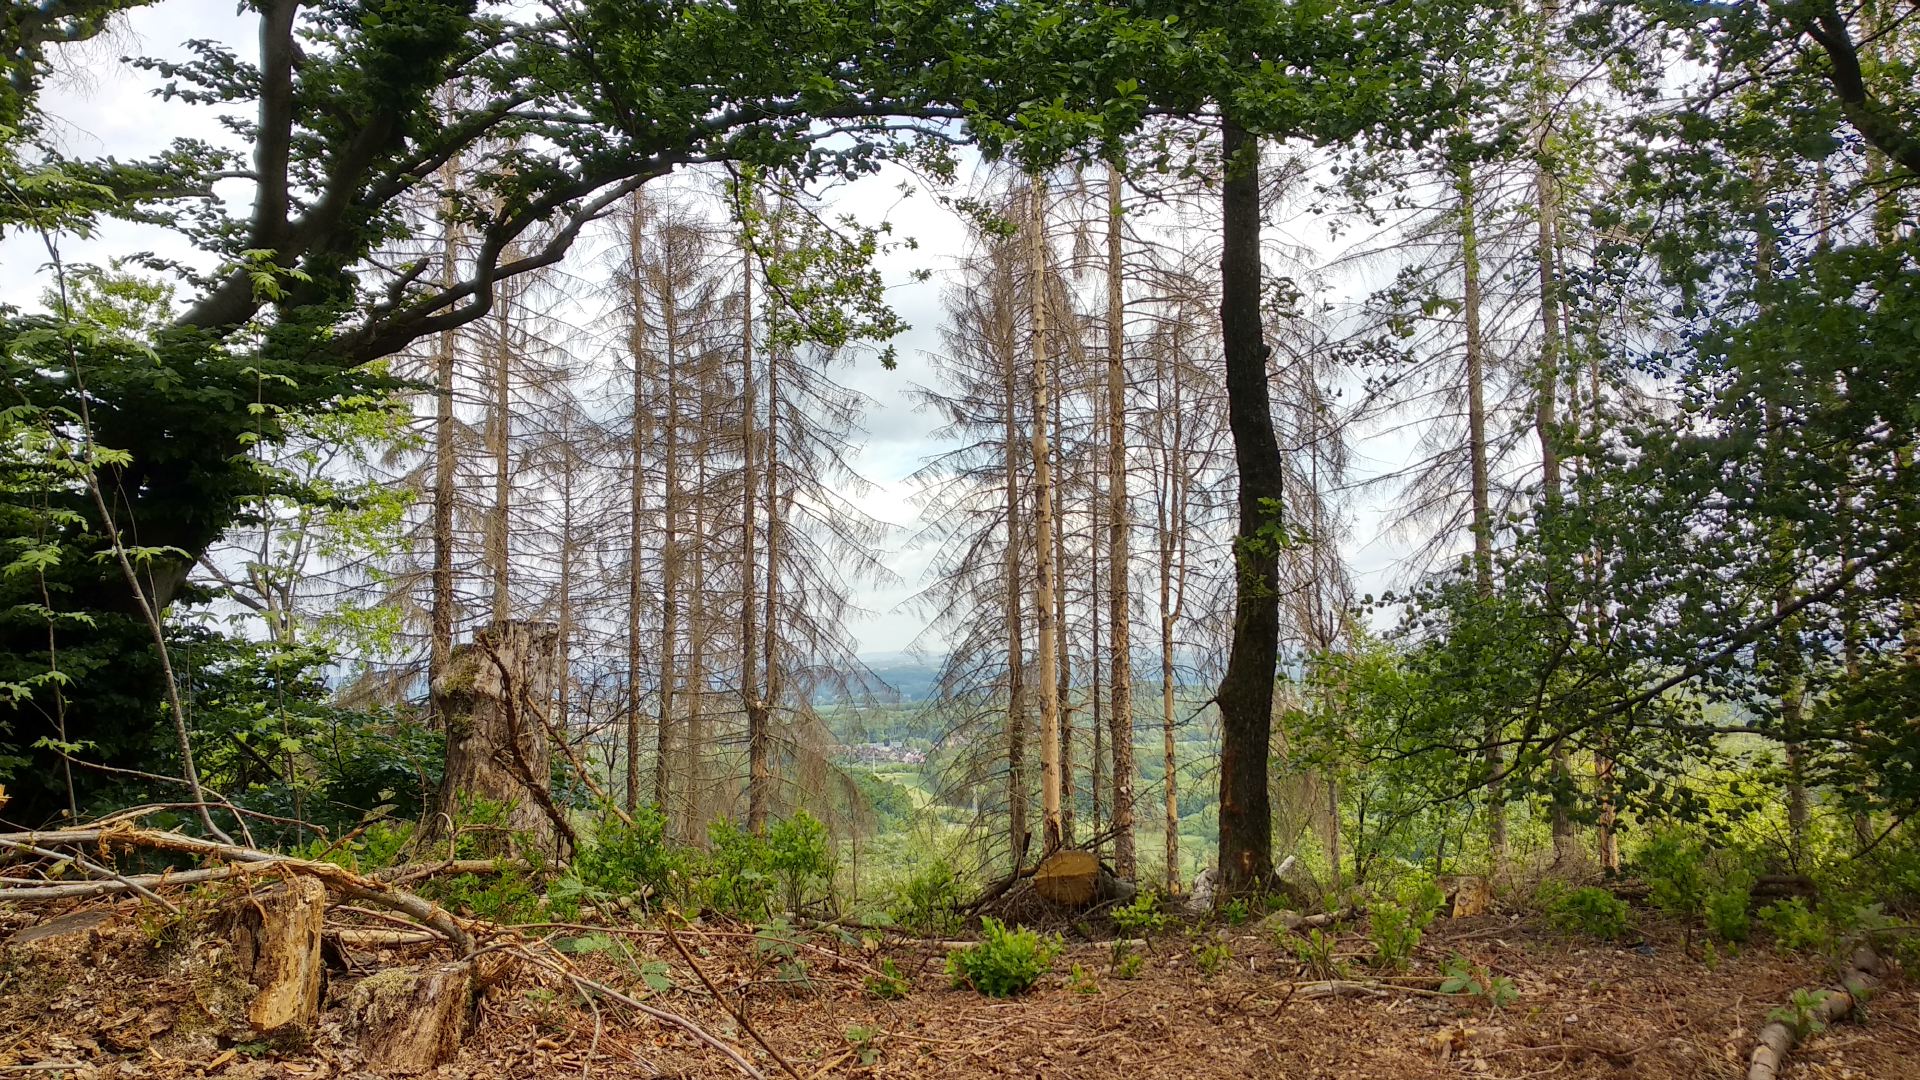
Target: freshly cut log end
x: 1069, y: 878
x: 276, y: 935
x: 412, y: 1020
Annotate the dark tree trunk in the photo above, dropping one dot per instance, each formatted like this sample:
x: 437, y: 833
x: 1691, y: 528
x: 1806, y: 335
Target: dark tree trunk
x: 1245, y: 696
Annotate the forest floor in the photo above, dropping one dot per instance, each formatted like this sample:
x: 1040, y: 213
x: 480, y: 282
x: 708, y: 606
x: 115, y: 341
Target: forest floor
x: 134, y: 995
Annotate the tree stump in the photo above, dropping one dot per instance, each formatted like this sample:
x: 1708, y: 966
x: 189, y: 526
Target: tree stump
x: 411, y: 1020
x: 276, y: 937
x: 1069, y: 877
x: 497, y: 749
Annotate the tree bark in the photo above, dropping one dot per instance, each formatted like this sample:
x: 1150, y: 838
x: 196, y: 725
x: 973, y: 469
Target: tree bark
x: 496, y: 750
x: 1119, y: 557
x: 1045, y: 673
x: 641, y: 438
x: 1016, y: 726
x: 1245, y: 696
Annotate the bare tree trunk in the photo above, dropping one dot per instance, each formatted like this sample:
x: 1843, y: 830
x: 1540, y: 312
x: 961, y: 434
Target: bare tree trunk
x: 761, y: 746
x: 750, y: 694
x: 1245, y: 696
x: 1476, y: 384
x: 636, y: 503
x: 1016, y: 632
x: 440, y: 646
x: 1169, y: 516
x: 1043, y: 528
x: 499, y: 448
x: 1545, y: 422
x: 1062, y: 645
x: 693, y: 826
x: 671, y: 495
x: 1119, y: 557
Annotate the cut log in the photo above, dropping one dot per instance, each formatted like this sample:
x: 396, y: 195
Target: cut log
x: 1861, y: 977
x: 411, y: 1020
x: 1069, y: 877
x: 276, y: 937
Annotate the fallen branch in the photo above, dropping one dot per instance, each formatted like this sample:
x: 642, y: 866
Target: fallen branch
x: 408, y: 872
x: 337, y: 878
x: 739, y: 1016
x: 584, y: 984
x: 1861, y: 976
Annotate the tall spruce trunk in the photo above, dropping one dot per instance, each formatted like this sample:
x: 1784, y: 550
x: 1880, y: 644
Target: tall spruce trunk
x: 670, y: 544
x: 1245, y: 696
x: 1016, y: 725
x: 440, y: 645
x: 1119, y: 558
x: 1063, y: 652
x: 750, y: 695
x: 762, y: 751
x: 499, y: 448
x: 640, y: 438
x: 1044, y: 616
x: 1168, y: 517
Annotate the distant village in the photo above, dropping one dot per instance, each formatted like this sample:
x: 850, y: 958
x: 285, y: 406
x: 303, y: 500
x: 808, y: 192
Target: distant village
x: 874, y: 753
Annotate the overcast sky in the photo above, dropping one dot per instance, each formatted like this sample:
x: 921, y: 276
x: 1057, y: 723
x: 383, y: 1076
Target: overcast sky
x: 103, y: 106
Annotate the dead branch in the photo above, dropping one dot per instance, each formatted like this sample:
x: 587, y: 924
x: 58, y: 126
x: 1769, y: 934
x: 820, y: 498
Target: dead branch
x: 1861, y: 976
x: 739, y: 1015
x: 585, y: 985
x: 339, y: 879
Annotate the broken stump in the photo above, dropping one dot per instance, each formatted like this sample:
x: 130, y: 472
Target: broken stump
x: 1069, y: 877
x: 276, y: 937
x: 411, y: 1020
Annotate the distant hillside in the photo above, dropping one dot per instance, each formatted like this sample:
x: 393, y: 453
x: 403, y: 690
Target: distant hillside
x: 912, y: 677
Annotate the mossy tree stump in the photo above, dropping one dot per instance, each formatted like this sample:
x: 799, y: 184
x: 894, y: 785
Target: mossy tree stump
x: 497, y: 746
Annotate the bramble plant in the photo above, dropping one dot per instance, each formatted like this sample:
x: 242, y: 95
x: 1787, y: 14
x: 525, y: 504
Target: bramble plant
x: 1801, y: 1013
x: 889, y: 985
x: 1315, y: 952
x: 1725, y: 910
x: 1005, y: 962
x: 1794, y: 926
x: 1471, y: 980
x: 1588, y: 910
x: 1143, y: 917
x: 1211, y: 957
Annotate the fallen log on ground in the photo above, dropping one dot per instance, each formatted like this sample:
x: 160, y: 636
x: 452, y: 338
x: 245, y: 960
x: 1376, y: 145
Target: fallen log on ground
x: 1858, y: 980
x: 243, y: 860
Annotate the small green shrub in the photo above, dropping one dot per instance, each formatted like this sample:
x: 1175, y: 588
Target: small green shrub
x: 1126, y: 963
x: 1211, y: 957
x: 1394, y: 934
x: 928, y: 902
x: 1081, y: 981
x: 1005, y: 962
x: 889, y: 985
x: 1671, y: 862
x: 800, y: 856
x: 1234, y: 911
x: 1471, y: 980
x: 1143, y: 917
x: 1726, y: 910
x: 1589, y: 910
x: 622, y: 858
x: 1801, y: 1013
x: 865, y: 1042
x: 1315, y: 952
x: 1794, y: 926
x: 735, y: 877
